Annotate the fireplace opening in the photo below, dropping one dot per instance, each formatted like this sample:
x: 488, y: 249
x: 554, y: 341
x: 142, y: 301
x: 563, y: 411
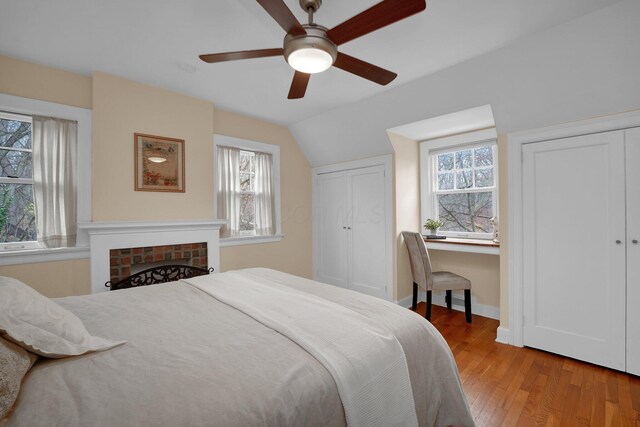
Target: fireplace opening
x: 137, y: 268
x: 127, y: 261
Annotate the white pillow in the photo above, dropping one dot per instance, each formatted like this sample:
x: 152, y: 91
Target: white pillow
x: 38, y: 324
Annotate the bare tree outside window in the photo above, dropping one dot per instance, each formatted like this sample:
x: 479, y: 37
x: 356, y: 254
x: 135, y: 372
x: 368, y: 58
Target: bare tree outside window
x: 464, y: 189
x: 17, y: 213
x: 247, y: 193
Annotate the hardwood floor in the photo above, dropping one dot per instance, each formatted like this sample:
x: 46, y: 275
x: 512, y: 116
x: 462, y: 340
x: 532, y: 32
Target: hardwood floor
x: 511, y: 386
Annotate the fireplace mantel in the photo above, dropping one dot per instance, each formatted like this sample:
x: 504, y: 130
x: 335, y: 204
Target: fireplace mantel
x: 101, y: 237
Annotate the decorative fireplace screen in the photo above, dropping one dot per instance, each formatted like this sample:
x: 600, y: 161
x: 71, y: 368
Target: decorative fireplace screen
x: 159, y: 274
x: 126, y: 262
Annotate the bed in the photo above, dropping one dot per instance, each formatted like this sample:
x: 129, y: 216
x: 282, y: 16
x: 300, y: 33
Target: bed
x: 192, y: 358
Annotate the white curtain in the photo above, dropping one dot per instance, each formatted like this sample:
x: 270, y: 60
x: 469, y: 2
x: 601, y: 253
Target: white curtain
x: 54, y: 180
x: 265, y: 221
x: 228, y: 198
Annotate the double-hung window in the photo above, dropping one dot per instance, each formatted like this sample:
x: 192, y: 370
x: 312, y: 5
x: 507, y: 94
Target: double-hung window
x: 38, y: 186
x: 17, y: 212
x: 463, y: 190
x: 247, y: 189
x: 45, y: 180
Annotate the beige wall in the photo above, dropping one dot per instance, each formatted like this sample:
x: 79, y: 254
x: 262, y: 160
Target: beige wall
x: 483, y: 270
x: 122, y: 107
x: 34, y: 81
x: 294, y: 253
x: 406, y: 208
x: 53, y: 279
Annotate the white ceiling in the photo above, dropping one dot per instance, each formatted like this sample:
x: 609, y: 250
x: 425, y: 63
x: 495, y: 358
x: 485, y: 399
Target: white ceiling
x: 158, y: 41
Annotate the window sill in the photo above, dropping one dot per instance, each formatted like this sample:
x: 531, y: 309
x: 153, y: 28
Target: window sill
x: 30, y: 256
x: 453, y: 244
x: 249, y: 240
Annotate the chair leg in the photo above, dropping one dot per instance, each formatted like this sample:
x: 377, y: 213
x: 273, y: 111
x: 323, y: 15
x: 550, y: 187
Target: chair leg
x: 448, y: 299
x: 414, y: 303
x: 428, y: 313
x: 467, y: 304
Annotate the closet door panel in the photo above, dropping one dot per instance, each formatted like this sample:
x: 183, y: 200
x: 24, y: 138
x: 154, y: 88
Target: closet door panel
x: 633, y: 249
x: 574, y: 252
x: 367, y: 235
x: 332, y: 220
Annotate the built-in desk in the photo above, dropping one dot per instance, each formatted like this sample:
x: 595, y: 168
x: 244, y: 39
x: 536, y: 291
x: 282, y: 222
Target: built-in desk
x: 477, y: 246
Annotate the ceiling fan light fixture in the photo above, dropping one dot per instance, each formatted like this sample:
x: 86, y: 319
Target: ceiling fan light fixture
x: 311, y: 53
x: 310, y: 60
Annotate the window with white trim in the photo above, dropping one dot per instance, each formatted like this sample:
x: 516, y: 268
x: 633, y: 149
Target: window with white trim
x: 57, y: 173
x: 247, y: 190
x: 17, y: 212
x: 463, y: 190
x: 38, y: 190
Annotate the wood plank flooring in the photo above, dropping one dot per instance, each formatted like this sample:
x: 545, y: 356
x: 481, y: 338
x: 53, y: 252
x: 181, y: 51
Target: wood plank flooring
x: 511, y: 386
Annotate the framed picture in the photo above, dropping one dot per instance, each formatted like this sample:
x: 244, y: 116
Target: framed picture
x: 159, y: 163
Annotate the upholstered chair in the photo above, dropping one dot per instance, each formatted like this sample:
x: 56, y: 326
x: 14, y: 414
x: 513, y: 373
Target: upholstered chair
x: 430, y: 280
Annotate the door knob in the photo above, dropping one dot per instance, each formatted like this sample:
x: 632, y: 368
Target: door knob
x: 634, y: 241
x: 618, y: 241
x: 344, y: 228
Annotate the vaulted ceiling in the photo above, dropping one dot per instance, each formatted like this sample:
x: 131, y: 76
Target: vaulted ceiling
x: 158, y: 42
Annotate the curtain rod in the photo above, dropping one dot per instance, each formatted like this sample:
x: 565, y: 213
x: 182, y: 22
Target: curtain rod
x: 31, y: 116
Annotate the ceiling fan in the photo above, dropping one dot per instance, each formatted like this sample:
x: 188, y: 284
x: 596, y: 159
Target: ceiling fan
x: 312, y: 48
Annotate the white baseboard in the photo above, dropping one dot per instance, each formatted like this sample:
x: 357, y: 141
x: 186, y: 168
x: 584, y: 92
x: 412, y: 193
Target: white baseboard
x: 503, y: 335
x: 438, y: 299
x: 404, y: 302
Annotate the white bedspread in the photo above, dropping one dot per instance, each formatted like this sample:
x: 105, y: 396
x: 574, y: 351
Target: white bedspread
x: 191, y: 360
x: 366, y: 360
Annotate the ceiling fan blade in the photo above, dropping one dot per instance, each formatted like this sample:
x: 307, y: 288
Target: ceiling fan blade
x: 299, y: 85
x: 382, y: 14
x: 364, y: 69
x: 283, y: 16
x: 244, y: 54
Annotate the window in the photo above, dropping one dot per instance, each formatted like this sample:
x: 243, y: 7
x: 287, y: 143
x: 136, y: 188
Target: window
x: 463, y: 189
x: 60, y: 136
x: 247, y: 193
x: 247, y: 190
x: 17, y: 212
x: 38, y: 198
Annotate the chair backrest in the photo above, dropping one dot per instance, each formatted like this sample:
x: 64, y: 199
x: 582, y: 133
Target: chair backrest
x: 419, y: 259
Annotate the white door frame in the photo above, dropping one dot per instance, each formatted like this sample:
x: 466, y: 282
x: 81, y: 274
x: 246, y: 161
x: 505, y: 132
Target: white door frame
x: 386, y: 162
x: 515, y: 141
x: 632, y: 147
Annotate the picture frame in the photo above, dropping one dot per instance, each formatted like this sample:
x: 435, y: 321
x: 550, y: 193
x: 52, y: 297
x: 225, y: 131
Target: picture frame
x: 159, y: 163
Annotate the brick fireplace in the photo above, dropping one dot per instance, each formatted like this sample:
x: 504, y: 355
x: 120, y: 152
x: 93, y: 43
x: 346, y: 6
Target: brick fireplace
x: 194, y: 242
x: 124, y: 262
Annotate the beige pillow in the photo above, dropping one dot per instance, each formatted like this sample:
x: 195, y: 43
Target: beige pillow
x: 38, y: 324
x: 15, y: 362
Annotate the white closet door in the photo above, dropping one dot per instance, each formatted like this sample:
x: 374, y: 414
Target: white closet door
x: 633, y: 250
x: 367, y: 232
x: 332, y: 221
x: 574, y: 251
